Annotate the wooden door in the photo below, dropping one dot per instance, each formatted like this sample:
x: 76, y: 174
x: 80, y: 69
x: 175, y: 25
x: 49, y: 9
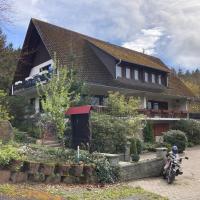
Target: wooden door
x: 160, y: 128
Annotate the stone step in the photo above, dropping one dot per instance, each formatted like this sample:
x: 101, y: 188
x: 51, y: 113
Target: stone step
x: 50, y: 141
x: 52, y: 145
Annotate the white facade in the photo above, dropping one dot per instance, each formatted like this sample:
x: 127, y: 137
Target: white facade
x: 36, y: 70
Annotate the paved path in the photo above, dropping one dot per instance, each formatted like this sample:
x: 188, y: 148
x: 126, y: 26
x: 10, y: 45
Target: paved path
x: 185, y: 187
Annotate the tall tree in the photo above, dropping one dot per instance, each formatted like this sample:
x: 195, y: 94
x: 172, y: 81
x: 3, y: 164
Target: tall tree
x: 8, y: 62
x: 62, y: 91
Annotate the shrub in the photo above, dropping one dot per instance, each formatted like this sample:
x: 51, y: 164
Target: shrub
x: 105, y: 172
x: 108, y: 134
x: 191, y: 128
x: 23, y: 137
x: 176, y: 137
x: 148, y: 133
x: 138, y: 146
x: 8, y: 153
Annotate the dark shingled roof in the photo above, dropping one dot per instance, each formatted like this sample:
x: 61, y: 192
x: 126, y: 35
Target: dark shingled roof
x: 70, y: 45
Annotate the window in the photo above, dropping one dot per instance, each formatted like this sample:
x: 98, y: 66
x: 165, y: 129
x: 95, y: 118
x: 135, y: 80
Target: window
x: 136, y: 74
x: 32, y: 102
x: 153, y: 78
x: 167, y: 81
x: 118, y: 71
x: 45, y: 68
x: 146, y: 77
x: 159, y: 80
x: 155, y: 106
x: 128, y: 73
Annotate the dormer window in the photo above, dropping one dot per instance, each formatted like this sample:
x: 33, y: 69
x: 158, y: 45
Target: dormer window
x: 153, y: 78
x: 159, y: 80
x: 118, y: 71
x: 146, y: 77
x: 136, y: 75
x: 128, y: 73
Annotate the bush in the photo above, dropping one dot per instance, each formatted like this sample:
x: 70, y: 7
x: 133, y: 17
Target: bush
x: 23, y: 137
x: 108, y: 134
x: 148, y: 133
x: 135, y: 157
x: 105, y: 172
x: 191, y: 128
x: 138, y: 146
x: 8, y: 153
x: 176, y: 137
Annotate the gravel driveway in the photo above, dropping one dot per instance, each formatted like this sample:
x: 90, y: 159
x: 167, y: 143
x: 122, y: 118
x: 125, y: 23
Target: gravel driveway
x: 185, y: 187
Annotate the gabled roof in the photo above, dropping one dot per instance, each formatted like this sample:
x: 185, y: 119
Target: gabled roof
x: 130, y: 55
x: 89, y: 66
x: 114, y: 50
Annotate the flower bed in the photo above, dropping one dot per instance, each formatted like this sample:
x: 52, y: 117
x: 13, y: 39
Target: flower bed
x: 51, y: 165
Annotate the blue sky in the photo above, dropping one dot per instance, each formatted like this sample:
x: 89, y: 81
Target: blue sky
x: 167, y: 29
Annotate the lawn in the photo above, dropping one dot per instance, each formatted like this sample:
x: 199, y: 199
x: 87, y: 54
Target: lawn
x: 80, y: 192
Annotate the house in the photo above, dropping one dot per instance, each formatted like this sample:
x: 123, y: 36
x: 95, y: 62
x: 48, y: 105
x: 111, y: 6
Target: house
x: 103, y: 67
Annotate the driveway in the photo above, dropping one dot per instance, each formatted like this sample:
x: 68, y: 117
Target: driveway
x: 185, y: 187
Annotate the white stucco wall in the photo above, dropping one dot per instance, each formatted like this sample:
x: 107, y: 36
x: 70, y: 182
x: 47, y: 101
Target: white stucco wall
x: 35, y: 70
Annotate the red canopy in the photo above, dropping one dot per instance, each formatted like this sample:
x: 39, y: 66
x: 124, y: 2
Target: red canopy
x: 78, y: 110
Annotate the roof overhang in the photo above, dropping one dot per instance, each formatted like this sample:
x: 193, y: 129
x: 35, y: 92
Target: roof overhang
x: 79, y: 110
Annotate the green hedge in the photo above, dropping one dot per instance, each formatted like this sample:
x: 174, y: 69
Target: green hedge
x: 138, y: 145
x: 148, y: 133
x: 191, y: 128
x: 176, y: 137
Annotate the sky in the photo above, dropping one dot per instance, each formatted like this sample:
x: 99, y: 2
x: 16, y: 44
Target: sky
x: 168, y: 29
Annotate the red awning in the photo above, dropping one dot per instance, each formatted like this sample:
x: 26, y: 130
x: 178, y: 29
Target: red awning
x: 78, y: 110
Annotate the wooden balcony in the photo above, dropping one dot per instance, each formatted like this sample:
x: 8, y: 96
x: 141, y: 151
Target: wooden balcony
x: 163, y: 113
x: 31, y: 82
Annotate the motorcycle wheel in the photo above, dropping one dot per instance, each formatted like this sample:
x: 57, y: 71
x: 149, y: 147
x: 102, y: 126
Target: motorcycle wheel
x: 164, y: 174
x: 170, y: 178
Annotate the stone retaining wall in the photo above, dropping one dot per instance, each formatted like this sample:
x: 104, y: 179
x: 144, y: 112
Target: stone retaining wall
x: 48, y: 173
x: 143, y: 169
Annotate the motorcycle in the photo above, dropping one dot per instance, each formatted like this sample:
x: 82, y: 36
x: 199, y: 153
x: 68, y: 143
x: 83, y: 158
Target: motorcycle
x: 173, y: 169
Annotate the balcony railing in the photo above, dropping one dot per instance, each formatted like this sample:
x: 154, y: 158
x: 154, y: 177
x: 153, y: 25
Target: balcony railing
x: 163, y: 113
x: 31, y: 81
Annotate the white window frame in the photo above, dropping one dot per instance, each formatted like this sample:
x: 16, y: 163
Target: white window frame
x: 146, y: 77
x: 136, y: 74
x: 153, y: 78
x: 159, y: 80
x: 118, y: 71
x: 128, y: 73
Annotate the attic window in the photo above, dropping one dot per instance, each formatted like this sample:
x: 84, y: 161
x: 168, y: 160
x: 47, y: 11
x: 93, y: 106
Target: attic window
x: 128, y: 73
x: 153, y: 78
x: 146, y: 77
x: 159, y: 80
x: 118, y: 71
x: 136, y: 75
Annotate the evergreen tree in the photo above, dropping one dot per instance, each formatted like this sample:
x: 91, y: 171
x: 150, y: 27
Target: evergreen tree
x: 8, y: 62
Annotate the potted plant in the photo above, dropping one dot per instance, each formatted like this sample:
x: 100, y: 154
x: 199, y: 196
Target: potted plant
x: 15, y: 165
x: 63, y: 169
x: 77, y: 169
x: 88, y: 169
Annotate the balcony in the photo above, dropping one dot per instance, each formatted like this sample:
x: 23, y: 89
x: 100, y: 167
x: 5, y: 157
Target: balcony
x: 174, y: 114
x: 30, y: 82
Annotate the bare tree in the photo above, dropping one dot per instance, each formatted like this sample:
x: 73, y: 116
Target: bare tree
x: 5, y: 9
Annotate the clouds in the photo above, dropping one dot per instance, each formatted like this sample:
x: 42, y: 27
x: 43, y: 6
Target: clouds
x: 168, y: 29
x: 146, y: 41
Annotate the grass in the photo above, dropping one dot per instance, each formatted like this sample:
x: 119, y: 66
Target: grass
x: 26, y: 192
x: 64, y: 192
